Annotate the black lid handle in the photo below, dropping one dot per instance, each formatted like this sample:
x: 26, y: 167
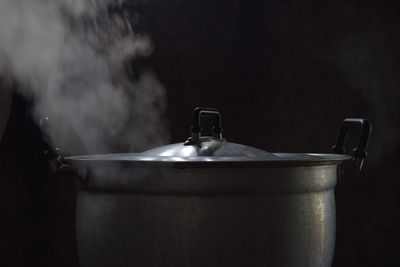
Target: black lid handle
x: 360, y: 152
x: 200, y: 112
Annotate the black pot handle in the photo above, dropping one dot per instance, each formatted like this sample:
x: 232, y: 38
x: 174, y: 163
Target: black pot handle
x: 198, y: 113
x: 53, y: 155
x: 360, y: 152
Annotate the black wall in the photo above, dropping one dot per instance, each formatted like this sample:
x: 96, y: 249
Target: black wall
x: 285, y: 73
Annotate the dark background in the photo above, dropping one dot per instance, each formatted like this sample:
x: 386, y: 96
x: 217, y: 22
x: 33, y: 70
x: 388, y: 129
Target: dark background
x: 284, y: 74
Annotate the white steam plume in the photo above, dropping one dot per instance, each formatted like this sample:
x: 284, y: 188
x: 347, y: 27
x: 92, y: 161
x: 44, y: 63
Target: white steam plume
x: 69, y: 55
x: 367, y: 60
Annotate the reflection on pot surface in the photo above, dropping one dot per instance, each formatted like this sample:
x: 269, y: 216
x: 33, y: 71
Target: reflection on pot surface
x: 208, y: 202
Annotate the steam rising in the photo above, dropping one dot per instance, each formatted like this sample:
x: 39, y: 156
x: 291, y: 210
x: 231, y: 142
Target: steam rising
x: 367, y: 61
x: 71, y: 57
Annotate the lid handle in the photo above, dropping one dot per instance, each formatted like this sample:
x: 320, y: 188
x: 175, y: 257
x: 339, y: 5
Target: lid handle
x: 198, y: 113
x: 360, y: 152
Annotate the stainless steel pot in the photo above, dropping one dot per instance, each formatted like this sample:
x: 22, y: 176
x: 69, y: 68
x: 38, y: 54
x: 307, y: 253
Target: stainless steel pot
x: 208, y: 202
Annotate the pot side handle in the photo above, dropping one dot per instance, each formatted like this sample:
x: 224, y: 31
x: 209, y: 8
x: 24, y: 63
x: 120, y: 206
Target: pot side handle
x: 54, y: 157
x: 360, y: 152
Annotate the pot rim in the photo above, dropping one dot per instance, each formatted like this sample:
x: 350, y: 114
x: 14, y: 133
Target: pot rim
x: 139, y: 160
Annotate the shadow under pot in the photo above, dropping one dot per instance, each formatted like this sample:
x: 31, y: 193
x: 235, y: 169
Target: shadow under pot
x: 208, y: 202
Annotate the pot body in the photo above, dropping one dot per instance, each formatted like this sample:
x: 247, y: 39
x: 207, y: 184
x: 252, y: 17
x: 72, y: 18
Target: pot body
x: 244, y: 216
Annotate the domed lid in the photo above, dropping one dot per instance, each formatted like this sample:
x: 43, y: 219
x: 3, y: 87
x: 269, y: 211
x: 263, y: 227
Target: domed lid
x: 208, y: 147
x: 211, y: 150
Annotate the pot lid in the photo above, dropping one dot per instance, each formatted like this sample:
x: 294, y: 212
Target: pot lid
x: 198, y: 149
x: 208, y: 147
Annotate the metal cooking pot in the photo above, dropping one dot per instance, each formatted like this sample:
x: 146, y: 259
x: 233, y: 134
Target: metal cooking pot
x: 208, y: 202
